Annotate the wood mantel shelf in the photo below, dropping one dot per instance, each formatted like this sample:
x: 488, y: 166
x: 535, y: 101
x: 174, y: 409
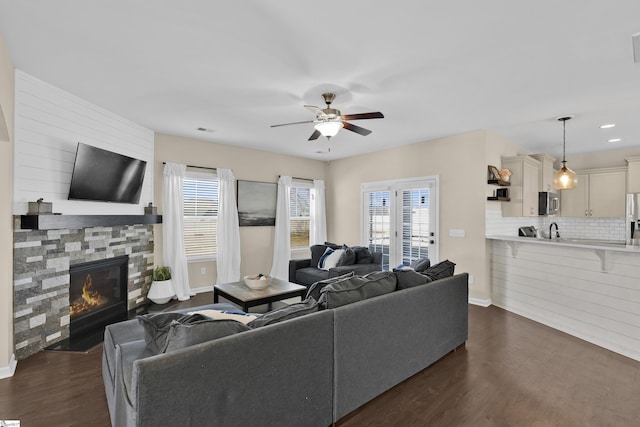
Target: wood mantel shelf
x: 55, y: 222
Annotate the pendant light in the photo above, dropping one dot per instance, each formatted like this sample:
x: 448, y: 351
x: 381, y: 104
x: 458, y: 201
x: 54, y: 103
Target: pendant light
x: 565, y: 178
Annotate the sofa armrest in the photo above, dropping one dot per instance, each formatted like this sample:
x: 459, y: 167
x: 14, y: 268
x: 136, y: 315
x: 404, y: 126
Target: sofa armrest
x: 297, y: 264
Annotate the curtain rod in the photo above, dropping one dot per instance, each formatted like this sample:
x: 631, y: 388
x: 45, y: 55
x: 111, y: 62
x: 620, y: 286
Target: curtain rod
x: 299, y: 179
x: 197, y: 167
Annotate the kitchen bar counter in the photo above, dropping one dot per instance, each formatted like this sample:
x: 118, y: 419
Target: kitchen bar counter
x: 588, y: 289
x: 608, y: 245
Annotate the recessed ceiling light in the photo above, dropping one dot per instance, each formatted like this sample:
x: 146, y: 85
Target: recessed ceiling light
x: 204, y: 130
x: 607, y: 126
x: 615, y: 140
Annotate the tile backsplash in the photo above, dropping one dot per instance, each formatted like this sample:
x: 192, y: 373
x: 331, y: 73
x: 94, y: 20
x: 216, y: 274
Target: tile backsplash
x: 585, y: 228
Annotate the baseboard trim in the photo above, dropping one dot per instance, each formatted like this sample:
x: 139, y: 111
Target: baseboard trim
x: 202, y: 289
x: 481, y: 302
x: 8, y: 371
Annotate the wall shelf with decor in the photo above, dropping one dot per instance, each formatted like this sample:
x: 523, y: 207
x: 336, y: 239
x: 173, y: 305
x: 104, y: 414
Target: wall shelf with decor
x: 495, y: 178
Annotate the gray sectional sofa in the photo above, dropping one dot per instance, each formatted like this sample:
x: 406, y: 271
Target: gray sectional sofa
x: 310, y: 370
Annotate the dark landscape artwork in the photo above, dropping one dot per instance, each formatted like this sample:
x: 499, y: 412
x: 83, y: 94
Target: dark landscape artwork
x: 257, y: 203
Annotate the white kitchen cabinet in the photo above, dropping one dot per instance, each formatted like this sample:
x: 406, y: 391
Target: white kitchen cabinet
x: 545, y: 171
x: 524, y: 186
x: 599, y: 194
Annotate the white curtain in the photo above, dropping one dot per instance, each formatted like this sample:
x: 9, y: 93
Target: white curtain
x: 172, y: 231
x: 228, y: 259
x: 318, y: 213
x: 281, y: 242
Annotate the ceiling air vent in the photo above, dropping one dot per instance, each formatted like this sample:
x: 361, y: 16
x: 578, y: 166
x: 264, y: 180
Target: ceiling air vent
x: 636, y: 47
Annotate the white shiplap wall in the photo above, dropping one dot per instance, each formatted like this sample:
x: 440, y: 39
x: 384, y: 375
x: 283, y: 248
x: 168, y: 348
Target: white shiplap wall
x: 566, y: 288
x: 49, y: 123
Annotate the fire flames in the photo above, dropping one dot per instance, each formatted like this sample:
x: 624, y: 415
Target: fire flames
x: 89, y: 299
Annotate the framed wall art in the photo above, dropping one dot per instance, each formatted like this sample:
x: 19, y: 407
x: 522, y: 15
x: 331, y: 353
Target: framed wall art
x: 257, y: 203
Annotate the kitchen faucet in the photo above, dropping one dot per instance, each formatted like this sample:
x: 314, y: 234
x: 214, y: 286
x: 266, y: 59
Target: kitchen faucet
x: 557, y: 230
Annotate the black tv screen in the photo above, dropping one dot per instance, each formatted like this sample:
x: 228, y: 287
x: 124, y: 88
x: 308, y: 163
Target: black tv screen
x: 106, y: 176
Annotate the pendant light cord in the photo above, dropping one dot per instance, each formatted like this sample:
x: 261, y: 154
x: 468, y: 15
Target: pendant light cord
x: 564, y: 138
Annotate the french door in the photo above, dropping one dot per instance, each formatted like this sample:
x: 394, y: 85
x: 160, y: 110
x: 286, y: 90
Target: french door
x: 400, y: 219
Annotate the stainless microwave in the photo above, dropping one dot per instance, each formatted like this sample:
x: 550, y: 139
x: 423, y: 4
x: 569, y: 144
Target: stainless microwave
x: 548, y: 203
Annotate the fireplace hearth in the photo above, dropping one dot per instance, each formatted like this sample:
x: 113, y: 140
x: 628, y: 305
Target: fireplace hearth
x: 97, y: 295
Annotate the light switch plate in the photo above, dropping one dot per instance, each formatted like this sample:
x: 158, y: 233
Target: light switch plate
x: 456, y: 232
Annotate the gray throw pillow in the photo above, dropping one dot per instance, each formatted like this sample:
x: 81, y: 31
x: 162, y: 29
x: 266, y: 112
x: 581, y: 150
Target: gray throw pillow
x: 348, y: 256
x: 410, y: 278
x: 440, y: 270
x: 156, y: 327
x: 357, y: 289
x: 314, y: 290
x: 420, y: 264
x: 292, y: 311
x: 183, y: 335
x: 363, y: 255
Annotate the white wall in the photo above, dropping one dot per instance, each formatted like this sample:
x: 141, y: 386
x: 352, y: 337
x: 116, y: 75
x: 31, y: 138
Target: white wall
x: 460, y: 163
x: 7, y: 360
x: 49, y: 124
x: 256, y: 243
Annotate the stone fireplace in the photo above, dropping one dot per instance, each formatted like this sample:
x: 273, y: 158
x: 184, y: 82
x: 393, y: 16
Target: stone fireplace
x: 42, y: 264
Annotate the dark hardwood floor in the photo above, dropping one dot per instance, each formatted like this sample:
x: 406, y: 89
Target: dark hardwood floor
x: 512, y: 372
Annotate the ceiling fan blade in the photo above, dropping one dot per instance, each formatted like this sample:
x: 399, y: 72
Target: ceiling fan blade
x: 315, y: 110
x: 361, y: 116
x: 294, y: 123
x: 314, y: 135
x: 356, y: 129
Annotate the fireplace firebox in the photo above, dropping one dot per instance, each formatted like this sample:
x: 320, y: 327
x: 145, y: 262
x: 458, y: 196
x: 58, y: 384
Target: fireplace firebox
x: 97, y: 294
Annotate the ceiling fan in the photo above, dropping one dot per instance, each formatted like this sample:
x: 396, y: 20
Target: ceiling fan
x: 329, y: 120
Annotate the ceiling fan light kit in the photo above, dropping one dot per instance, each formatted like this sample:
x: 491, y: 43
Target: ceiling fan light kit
x: 329, y: 129
x: 329, y: 120
x: 565, y: 178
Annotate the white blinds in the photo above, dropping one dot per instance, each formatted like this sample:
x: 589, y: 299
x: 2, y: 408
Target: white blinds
x: 379, y: 223
x: 416, y: 224
x: 200, y: 214
x: 299, y: 202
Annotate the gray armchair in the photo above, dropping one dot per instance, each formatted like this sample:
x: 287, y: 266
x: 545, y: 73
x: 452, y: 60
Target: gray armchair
x: 306, y: 272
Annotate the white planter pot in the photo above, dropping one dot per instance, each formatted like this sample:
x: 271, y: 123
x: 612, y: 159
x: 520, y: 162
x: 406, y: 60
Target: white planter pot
x: 161, y: 292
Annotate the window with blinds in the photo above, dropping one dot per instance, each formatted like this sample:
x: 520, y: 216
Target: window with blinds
x: 416, y: 224
x: 200, y: 214
x: 299, y: 205
x: 378, y: 205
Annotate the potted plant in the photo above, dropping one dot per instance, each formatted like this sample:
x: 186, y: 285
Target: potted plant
x: 161, y: 290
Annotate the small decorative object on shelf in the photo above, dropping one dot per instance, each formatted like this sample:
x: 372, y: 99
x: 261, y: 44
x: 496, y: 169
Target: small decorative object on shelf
x: 39, y: 207
x: 494, y: 173
x: 505, y: 175
x: 501, y: 195
x: 150, y: 209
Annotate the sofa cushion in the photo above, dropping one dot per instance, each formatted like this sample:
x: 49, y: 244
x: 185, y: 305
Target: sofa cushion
x: 357, y: 288
x: 156, y: 328
x: 420, y: 264
x: 314, y: 290
x: 317, y: 251
x: 309, y: 275
x: 307, y: 306
x: 183, y: 335
x: 363, y: 255
x: 330, y: 259
x: 409, y: 278
x: 348, y: 256
x: 440, y: 270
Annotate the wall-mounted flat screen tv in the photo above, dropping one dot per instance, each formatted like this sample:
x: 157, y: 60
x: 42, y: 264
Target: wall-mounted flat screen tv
x: 102, y: 175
